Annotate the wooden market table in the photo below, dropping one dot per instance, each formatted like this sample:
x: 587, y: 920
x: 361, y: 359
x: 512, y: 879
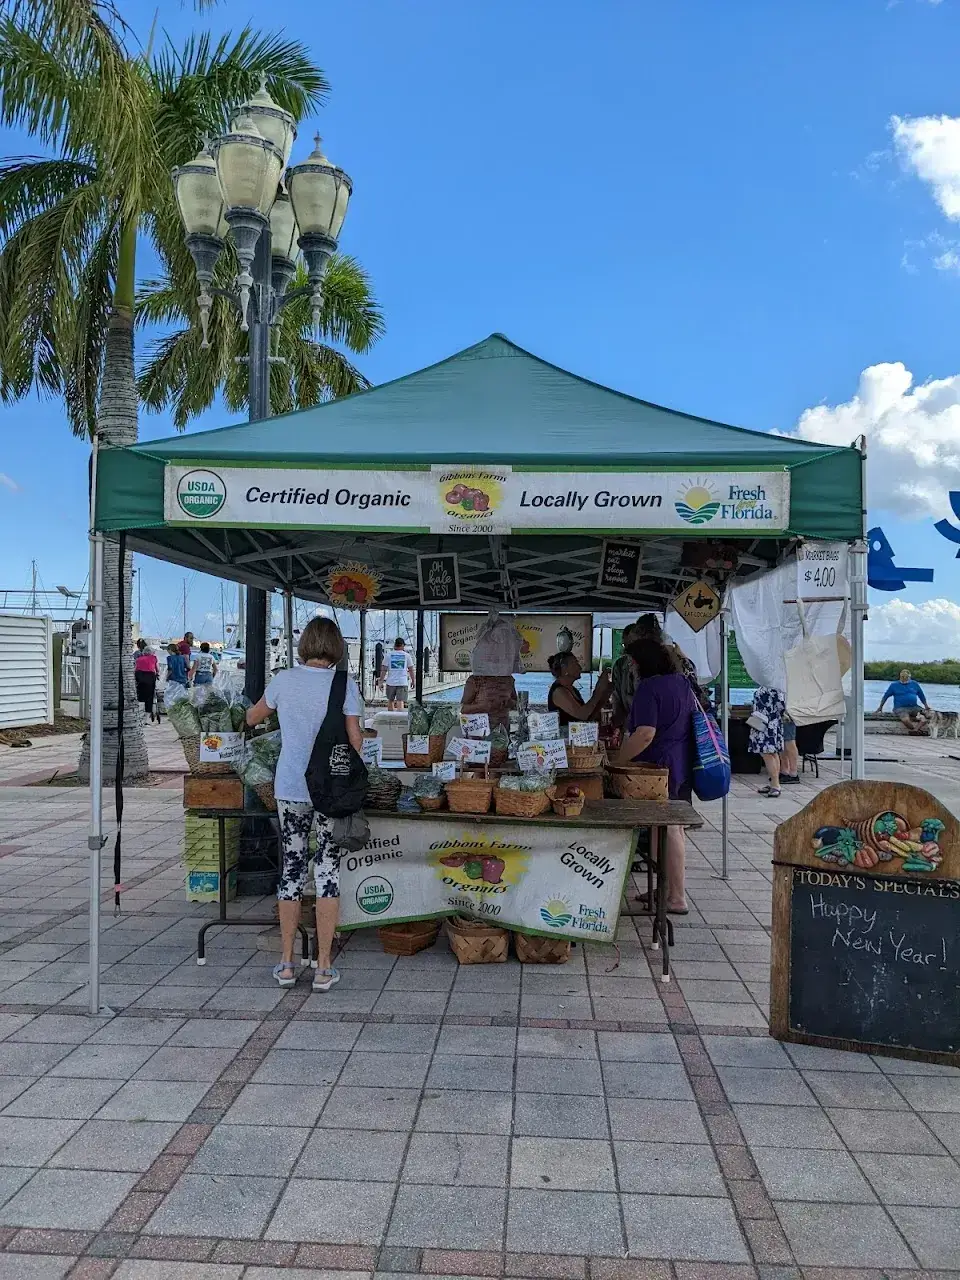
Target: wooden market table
x: 633, y: 815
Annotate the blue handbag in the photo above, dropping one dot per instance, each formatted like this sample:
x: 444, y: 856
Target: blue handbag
x: 711, y: 759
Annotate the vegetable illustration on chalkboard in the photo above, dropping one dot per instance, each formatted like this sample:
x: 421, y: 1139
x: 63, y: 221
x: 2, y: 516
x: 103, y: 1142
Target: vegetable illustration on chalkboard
x: 880, y: 839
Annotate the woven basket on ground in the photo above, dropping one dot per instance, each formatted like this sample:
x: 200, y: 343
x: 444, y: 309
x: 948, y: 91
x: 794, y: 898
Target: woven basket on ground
x: 416, y: 760
x: 382, y: 792
x: 585, y: 757
x: 191, y: 750
x: 469, y: 795
x: 265, y: 791
x: 535, y: 950
x: 473, y: 942
x: 432, y: 803
x: 499, y: 757
x: 408, y: 938
x: 640, y: 782
x: 566, y: 808
x: 521, y: 804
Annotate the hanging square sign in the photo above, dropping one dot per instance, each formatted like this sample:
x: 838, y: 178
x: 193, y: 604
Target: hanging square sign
x: 620, y: 566
x: 697, y: 605
x: 439, y: 578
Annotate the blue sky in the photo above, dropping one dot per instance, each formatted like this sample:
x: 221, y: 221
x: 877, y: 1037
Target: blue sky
x: 702, y: 204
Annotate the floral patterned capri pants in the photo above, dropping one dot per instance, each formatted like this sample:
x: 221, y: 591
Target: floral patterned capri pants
x: 296, y: 820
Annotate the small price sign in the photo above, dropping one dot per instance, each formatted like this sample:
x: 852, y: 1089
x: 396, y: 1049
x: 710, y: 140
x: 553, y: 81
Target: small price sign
x: 543, y: 724
x: 418, y: 744
x: 371, y: 752
x: 445, y: 770
x: 822, y: 570
x: 476, y: 726
x: 584, y: 733
x: 538, y: 757
x: 469, y: 750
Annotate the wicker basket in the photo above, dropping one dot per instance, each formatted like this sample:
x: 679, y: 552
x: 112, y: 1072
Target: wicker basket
x: 383, y: 793
x: 191, y: 750
x: 418, y: 761
x: 265, y: 791
x: 564, y: 807
x: 469, y: 795
x: 473, y: 942
x: 408, y: 938
x: 640, y: 782
x: 432, y: 803
x: 499, y: 757
x: 585, y: 757
x: 535, y: 950
x: 521, y: 804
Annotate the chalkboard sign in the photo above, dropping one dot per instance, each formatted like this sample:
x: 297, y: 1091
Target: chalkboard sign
x: 875, y: 959
x: 439, y: 579
x: 620, y: 566
x: 865, y: 939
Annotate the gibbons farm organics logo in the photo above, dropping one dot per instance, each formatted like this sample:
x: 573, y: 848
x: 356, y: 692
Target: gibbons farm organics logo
x: 698, y: 503
x: 470, y: 497
x: 556, y: 912
x: 477, y: 865
x: 201, y: 494
x: 352, y: 585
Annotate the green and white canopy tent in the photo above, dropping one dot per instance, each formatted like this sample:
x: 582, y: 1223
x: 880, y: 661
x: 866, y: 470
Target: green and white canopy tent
x: 519, y: 467
x: 560, y: 464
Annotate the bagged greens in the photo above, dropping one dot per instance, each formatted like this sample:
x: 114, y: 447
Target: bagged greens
x: 181, y: 711
x: 443, y: 718
x: 418, y: 721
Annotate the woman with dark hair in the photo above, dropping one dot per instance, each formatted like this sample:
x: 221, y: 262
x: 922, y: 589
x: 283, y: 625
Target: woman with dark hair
x: 660, y: 731
x: 566, y: 699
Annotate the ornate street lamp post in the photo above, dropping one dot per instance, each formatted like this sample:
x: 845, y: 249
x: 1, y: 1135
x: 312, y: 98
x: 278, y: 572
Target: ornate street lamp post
x: 239, y: 188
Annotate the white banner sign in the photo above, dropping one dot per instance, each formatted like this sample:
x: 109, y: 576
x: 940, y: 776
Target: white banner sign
x: 538, y: 636
x: 544, y: 878
x: 478, y: 500
x: 822, y: 570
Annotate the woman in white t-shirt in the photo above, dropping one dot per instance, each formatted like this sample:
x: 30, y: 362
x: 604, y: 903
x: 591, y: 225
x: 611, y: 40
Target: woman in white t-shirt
x: 300, y: 696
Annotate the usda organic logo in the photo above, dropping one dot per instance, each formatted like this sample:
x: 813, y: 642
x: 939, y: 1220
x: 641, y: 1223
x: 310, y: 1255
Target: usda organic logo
x: 201, y: 494
x: 374, y: 895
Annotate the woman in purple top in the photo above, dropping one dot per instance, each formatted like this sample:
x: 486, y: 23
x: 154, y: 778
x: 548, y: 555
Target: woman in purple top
x: 660, y: 731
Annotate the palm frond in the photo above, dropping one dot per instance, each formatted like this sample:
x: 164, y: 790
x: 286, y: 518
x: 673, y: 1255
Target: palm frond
x: 29, y: 185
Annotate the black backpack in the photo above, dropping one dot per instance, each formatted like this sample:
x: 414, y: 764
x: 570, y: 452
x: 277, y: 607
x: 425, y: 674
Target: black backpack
x: 336, y: 776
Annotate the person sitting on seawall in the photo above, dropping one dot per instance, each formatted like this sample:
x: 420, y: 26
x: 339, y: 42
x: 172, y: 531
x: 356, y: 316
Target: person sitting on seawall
x: 789, y: 757
x: 299, y: 695
x: 660, y: 731
x: 566, y: 699
x: 907, y: 696
x: 204, y: 667
x: 766, y: 734
x: 176, y: 666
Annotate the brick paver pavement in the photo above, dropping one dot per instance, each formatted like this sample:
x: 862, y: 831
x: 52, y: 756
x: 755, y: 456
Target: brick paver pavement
x: 425, y: 1119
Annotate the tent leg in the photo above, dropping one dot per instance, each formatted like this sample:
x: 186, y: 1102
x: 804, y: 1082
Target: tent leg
x: 363, y: 654
x: 419, y: 677
x: 255, y: 650
x: 858, y: 594
x: 725, y: 730
x: 95, y: 840
x: 288, y: 626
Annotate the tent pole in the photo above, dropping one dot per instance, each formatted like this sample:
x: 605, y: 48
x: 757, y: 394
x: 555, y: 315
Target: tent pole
x: 95, y: 840
x: 725, y: 730
x: 363, y: 654
x: 858, y: 600
x: 419, y: 677
x: 288, y: 626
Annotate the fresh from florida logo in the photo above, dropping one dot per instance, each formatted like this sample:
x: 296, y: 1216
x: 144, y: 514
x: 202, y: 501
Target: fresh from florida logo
x: 374, y: 895
x: 698, y: 502
x: 470, y: 496
x: 556, y: 912
x: 201, y: 494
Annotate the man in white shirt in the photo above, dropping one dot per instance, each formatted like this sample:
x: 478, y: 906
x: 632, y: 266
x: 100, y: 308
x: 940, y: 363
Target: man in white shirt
x: 396, y: 672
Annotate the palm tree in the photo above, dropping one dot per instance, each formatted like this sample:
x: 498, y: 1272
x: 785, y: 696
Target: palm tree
x: 182, y: 375
x: 114, y: 122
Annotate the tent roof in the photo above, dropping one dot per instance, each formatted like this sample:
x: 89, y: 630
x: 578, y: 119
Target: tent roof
x: 490, y: 402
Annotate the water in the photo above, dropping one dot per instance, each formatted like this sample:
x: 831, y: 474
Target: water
x: 942, y: 697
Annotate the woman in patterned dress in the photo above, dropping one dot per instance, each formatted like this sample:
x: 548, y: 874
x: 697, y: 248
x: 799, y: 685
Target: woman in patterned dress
x: 766, y: 734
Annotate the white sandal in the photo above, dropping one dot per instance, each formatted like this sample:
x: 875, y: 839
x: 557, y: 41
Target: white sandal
x: 285, y: 966
x: 324, y: 979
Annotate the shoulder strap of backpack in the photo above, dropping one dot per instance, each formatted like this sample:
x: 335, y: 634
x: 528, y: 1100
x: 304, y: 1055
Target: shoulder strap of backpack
x: 333, y: 721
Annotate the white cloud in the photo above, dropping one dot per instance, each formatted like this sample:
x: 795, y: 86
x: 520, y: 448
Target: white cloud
x: 929, y: 146
x: 9, y: 483
x: 913, y: 437
x: 902, y: 631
